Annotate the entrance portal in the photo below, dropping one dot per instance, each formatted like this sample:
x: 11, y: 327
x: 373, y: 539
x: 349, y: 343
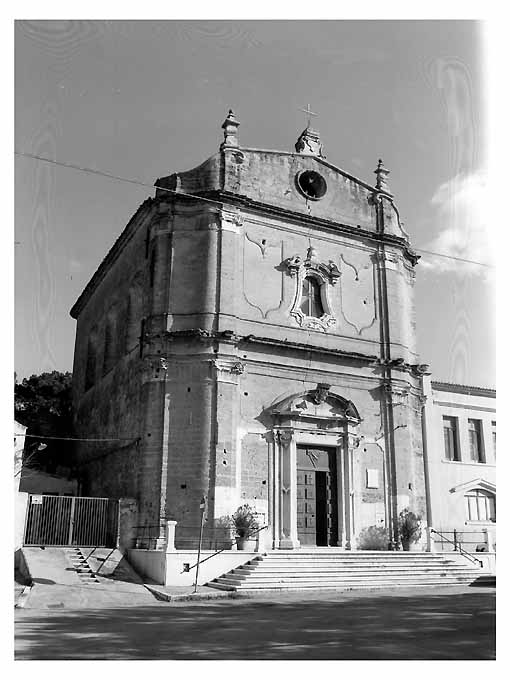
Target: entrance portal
x: 317, y: 507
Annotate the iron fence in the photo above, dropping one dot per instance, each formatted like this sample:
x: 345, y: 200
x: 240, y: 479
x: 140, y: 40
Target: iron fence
x: 71, y: 520
x: 453, y: 539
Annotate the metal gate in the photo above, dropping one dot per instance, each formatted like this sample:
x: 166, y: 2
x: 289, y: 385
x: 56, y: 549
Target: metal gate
x: 71, y: 520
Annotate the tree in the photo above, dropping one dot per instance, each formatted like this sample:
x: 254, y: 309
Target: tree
x: 44, y: 404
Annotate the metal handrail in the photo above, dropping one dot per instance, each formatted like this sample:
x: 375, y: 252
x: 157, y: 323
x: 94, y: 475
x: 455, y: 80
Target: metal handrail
x: 458, y: 547
x: 223, y: 549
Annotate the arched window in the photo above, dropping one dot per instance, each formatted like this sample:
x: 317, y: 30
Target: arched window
x: 311, y: 302
x: 480, y: 506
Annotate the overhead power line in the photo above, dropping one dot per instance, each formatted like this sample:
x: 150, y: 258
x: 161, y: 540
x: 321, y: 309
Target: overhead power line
x: 79, y: 439
x: 118, y: 178
x: 91, y: 171
x: 451, y: 257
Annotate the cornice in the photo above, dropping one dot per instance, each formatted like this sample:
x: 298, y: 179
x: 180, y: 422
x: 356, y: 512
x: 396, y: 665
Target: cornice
x: 463, y: 389
x: 232, y: 338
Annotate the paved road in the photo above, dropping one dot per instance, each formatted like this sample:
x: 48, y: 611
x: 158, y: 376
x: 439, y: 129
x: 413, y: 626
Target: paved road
x: 446, y: 623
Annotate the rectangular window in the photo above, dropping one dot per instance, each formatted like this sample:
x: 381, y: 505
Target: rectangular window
x: 494, y: 438
x: 480, y: 506
x: 450, y: 438
x: 311, y: 303
x: 475, y: 441
x: 491, y: 511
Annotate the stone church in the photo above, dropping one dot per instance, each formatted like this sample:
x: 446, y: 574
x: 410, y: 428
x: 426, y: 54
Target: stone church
x: 250, y: 338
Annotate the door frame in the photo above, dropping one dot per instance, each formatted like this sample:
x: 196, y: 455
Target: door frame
x: 286, y: 440
x: 333, y: 472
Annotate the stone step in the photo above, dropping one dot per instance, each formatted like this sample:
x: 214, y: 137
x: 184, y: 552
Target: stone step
x: 351, y: 565
x: 349, y: 557
x: 313, y: 583
x: 298, y: 582
x: 386, y: 557
x: 332, y: 552
x: 335, y: 586
x: 339, y: 570
x: 352, y: 568
x: 244, y: 575
x: 346, y: 577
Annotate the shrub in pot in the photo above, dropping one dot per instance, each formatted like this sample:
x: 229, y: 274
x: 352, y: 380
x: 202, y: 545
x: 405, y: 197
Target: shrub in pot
x: 409, y: 528
x: 245, y: 524
x: 373, y: 538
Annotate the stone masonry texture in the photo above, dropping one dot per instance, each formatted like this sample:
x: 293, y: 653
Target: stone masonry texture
x: 189, y: 332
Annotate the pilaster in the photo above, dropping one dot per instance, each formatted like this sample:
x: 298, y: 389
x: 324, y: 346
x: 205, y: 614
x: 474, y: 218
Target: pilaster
x: 288, y: 490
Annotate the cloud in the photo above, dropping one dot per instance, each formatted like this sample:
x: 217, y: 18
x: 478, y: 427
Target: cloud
x: 460, y: 209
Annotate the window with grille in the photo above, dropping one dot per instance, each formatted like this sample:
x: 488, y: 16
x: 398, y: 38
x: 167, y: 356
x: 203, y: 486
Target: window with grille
x: 480, y: 506
x: 451, y: 448
x: 311, y: 302
x: 494, y: 438
x: 475, y: 441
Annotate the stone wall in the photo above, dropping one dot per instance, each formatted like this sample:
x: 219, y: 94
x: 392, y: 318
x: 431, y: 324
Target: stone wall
x: 214, y: 291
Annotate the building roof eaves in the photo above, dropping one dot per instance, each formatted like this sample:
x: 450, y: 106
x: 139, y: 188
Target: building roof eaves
x: 463, y: 389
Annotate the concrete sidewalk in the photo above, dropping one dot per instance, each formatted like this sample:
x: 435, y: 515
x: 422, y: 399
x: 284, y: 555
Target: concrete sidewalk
x: 185, y: 593
x: 57, y: 584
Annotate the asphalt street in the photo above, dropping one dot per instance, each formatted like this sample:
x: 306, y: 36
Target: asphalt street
x: 447, y: 623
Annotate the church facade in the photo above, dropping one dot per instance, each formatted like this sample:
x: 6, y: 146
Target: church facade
x: 250, y: 338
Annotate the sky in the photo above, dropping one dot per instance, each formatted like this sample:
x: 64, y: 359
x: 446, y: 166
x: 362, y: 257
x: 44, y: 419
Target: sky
x: 142, y: 99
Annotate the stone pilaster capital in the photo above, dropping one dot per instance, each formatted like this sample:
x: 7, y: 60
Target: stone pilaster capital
x: 398, y: 394
x: 285, y: 437
x: 234, y: 367
x: 228, y: 370
x: 387, y: 259
x: 231, y: 219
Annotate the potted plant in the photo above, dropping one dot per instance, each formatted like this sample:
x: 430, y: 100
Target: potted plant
x: 245, y: 524
x: 373, y: 538
x: 409, y: 528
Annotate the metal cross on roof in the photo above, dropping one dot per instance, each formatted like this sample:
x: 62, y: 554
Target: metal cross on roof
x: 309, y: 112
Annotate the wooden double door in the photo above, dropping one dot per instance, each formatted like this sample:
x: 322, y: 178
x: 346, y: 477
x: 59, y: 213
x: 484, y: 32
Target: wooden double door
x: 317, y: 496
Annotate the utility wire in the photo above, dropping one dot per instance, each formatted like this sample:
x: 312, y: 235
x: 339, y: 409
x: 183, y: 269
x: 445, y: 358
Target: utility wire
x: 78, y: 439
x: 91, y: 171
x: 451, y: 257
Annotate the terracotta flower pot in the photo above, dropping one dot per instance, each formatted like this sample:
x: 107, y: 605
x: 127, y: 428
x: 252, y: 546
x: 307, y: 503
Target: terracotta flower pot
x: 246, y: 543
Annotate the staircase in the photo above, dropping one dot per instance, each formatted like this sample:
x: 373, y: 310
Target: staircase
x: 331, y: 569
x: 81, y: 566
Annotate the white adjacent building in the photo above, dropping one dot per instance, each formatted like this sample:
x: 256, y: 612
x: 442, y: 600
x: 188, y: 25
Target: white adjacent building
x: 460, y: 454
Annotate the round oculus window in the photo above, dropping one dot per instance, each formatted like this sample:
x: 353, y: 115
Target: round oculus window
x: 311, y: 184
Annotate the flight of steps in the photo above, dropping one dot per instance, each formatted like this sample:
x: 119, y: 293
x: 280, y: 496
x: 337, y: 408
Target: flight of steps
x: 81, y: 566
x: 331, y: 569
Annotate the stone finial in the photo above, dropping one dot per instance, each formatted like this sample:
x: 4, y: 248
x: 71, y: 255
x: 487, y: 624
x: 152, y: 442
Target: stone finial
x: 381, y: 173
x: 230, y: 125
x: 309, y: 143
